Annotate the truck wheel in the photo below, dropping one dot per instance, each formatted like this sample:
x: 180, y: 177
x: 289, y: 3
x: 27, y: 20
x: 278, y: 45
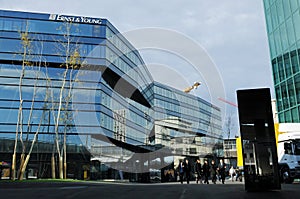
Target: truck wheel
x: 285, y: 175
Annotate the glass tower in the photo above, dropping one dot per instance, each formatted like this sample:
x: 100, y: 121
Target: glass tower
x: 74, y: 84
x: 283, y: 19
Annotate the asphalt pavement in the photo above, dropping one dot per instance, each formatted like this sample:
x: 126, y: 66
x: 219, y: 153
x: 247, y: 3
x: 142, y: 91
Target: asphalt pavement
x: 122, y: 190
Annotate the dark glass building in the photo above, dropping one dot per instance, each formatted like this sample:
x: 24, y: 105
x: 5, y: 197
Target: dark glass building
x: 283, y: 19
x: 74, y: 87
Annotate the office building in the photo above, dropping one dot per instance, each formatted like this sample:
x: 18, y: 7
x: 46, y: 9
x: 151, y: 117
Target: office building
x: 282, y: 20
x: 76, y: 86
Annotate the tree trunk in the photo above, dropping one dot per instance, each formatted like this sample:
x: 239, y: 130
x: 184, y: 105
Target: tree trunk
x: 53, y: 166
x: 19, y: 126
x: 24, y: 167
x: 65, y: 170
x: 20, y: 176
x: 13, y: 167
x: 61, y: 176
x: 65, y: 156
x: 24, y: 164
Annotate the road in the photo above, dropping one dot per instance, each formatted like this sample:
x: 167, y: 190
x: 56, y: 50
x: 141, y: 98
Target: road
x: 113, y: 190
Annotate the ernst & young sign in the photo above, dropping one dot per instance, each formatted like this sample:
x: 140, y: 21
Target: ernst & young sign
x: 75, y: 19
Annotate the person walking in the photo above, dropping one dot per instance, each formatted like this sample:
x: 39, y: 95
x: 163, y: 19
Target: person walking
x: 231, y: 173
x: 181, y: 171
x: 205, y: 171
x: 198, y: 171
x: 187, y: 169
x: 213, y: 172
x: 221, y: 169
x: 238, y: 174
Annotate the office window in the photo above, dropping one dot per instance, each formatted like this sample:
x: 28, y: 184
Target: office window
x: 290, y: 32
x: 287, y: 65
x: 295, y: 115
x: 285, y: 43
x: 288, y: 117
x: 296, y: 19
x: 294, y: 62
x: 280, y: 12
x: 275, y: 72
x: 280, y: 69
x: 278, y: 42
x: 284, y: 95
x: 287, y: 9
x: 291, y: 92
x: 274, y: 16
x: 297, y: 86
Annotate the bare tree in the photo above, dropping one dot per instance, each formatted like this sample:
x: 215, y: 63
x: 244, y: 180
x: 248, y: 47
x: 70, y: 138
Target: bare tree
x: 19, y: 127
x: 37, y: 70
x: 35, y: 66
x: 24, y: 165
x: 74, y: 63
x: 71, y: 61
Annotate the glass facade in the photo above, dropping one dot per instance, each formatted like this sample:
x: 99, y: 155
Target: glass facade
x: 283, y: 19
x: 75, y: 84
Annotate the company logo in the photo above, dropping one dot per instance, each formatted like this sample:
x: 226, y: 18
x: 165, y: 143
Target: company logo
x: 74, y: 19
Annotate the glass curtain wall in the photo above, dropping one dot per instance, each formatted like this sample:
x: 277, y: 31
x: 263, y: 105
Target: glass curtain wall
x: 76, y: 85
x: 282, y: 19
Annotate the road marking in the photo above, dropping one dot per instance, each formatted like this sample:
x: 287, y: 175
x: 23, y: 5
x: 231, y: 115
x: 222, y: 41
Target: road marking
x: 74, y: 187
x: 182, y: 194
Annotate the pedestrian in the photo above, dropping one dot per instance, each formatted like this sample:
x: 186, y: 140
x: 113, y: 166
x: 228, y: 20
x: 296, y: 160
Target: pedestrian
x: 205, y: 169
x: 187, y: 169
x: 238, y: 174
x: 167, y: 175
x: 221, y: 169
x: 198, y: 171
x: 231, y: 173
x: 213, y: 172
x: 181, y: 171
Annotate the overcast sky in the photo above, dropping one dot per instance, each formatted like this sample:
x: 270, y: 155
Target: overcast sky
x: 232, y: 32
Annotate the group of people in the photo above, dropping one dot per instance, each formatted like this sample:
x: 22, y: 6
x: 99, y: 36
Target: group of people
x: 202, y: 171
